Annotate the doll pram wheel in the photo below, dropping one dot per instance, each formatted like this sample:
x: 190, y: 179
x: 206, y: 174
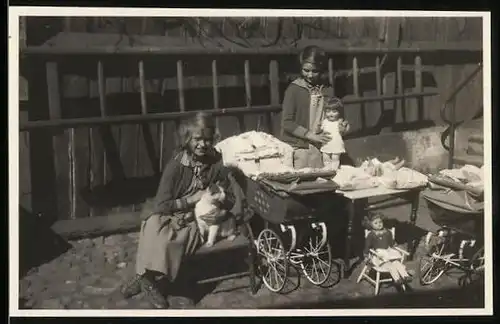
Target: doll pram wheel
x: 273, y: 257
x: 433, y: 265
x: 316, y: 256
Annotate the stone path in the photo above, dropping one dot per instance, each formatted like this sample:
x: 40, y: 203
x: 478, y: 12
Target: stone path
x: 89, y: 274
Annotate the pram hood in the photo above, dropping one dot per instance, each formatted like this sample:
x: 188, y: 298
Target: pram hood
x: 454, y: 200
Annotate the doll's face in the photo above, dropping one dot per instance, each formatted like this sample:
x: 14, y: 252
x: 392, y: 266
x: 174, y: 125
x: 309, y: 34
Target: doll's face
x: 310, y: 73
x: 332, y: 114
x: 377, y: 224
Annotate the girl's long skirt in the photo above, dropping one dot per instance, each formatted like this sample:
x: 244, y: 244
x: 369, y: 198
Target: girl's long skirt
x: 162, y: 248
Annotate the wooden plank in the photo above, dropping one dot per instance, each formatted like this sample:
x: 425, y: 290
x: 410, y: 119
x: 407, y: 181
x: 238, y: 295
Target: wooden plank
x: 79, y: 153
x: 215, y: 92
x: 401, y: 104
x: 248, y: 95
x: 97, y: 167
x: 97, y: 226
x: 93, y: 44
x: 101, y: 81
x: 378, y: 85
x: 419, y: 87
x: 274, y: 87
x: 142, y: 88
x: 59, y: 142
x: 331, y: 74
x: 180, y: 86
x: 357, y: 92
x: 175, y: 116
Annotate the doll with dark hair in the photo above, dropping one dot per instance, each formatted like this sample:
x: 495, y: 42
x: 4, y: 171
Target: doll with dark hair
x: 381, y: 241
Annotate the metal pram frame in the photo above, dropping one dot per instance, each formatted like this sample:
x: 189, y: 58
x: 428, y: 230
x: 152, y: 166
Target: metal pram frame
x: 291, y: 234
x: 459, y: 242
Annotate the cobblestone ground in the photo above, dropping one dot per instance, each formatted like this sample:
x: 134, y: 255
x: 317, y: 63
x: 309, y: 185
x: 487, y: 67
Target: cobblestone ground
x: 89, y: 275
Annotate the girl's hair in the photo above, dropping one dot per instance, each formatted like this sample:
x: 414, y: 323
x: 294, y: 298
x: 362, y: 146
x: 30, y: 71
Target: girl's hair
x: 370, y: 217
x: 313, y: 54
x: 201, y: 121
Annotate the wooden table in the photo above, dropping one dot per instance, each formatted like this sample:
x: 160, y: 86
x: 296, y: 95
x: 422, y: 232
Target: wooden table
x: 358, y: 199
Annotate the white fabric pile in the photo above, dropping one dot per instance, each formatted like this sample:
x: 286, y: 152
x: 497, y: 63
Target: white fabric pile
x: 255, y: 152
x: 468, y: 174
x: 373, y: 173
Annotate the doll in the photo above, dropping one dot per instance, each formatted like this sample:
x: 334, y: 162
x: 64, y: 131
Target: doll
x: 381, y: 241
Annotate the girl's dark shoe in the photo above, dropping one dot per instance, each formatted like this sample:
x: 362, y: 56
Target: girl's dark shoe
x: 132, y: 287
x: 154, y: 296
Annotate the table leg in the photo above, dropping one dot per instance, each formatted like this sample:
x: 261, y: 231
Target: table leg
x: 415, y: 200
x: 351, y: 213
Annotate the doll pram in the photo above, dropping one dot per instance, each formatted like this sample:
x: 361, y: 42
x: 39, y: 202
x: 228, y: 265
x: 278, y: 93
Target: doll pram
x: 459, y: 242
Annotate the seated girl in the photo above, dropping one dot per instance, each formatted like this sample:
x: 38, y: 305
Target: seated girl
x: 169, y: 230
x: 380, y: 240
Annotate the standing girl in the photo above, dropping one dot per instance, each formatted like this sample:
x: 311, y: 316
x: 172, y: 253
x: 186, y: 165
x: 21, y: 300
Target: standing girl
x: 302, y: 109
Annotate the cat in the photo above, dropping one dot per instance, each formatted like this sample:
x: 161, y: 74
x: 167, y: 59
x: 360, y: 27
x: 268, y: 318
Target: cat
x: 209, y: 205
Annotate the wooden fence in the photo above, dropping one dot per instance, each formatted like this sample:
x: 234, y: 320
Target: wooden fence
x: 110, y: 162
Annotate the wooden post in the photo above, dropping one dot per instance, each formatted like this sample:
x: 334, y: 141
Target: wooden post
x: 59, y: 142
x: 331, y: 74
x: 357, y: 94
x: 400, y: 88
x: 378, y: 82
x: 215, y: 91
x: 248, y: 94
x: 419, y: 87
x: 274, y: 79
x: 101, y: 82
x: 180, y: 85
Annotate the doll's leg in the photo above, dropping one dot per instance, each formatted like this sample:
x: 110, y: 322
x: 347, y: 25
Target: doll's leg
x: 401, y: 269
x: 394, y: 272
x: 335, y: 161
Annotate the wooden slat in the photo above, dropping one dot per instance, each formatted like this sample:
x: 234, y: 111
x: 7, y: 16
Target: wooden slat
x: 174, y: 116
x: 79, y: 152
x: 215, y: 92
x: 54, y: 95
x: 101, y: 81
x: 378, y: 81
x: 274, y: 80
x: 331, y: 74
x: 142, y: 87
x: 330, y: 46
x: 419, y: 87
x: 161, y: 134
x: 180, y: 86
x: 59, y: 142
x: 356, y: 91
x: 401, y: 111
x: 248, y: 94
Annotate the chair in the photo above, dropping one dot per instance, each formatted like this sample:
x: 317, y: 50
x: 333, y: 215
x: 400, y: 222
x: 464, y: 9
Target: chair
x: 369, y: 267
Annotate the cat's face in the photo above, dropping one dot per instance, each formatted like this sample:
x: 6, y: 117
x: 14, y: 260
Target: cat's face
x: 215, y: 193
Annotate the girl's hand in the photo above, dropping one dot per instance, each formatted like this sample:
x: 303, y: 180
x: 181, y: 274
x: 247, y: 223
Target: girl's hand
x: 322, y: 138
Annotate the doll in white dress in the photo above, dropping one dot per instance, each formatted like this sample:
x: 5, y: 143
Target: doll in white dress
x: 336, y: 126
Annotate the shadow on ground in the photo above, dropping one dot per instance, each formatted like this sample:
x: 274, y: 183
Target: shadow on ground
x: 38, y: 244
x: 471, y: 296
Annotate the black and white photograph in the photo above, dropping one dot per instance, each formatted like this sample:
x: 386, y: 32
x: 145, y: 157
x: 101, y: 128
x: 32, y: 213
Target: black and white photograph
x: 259, y: 162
